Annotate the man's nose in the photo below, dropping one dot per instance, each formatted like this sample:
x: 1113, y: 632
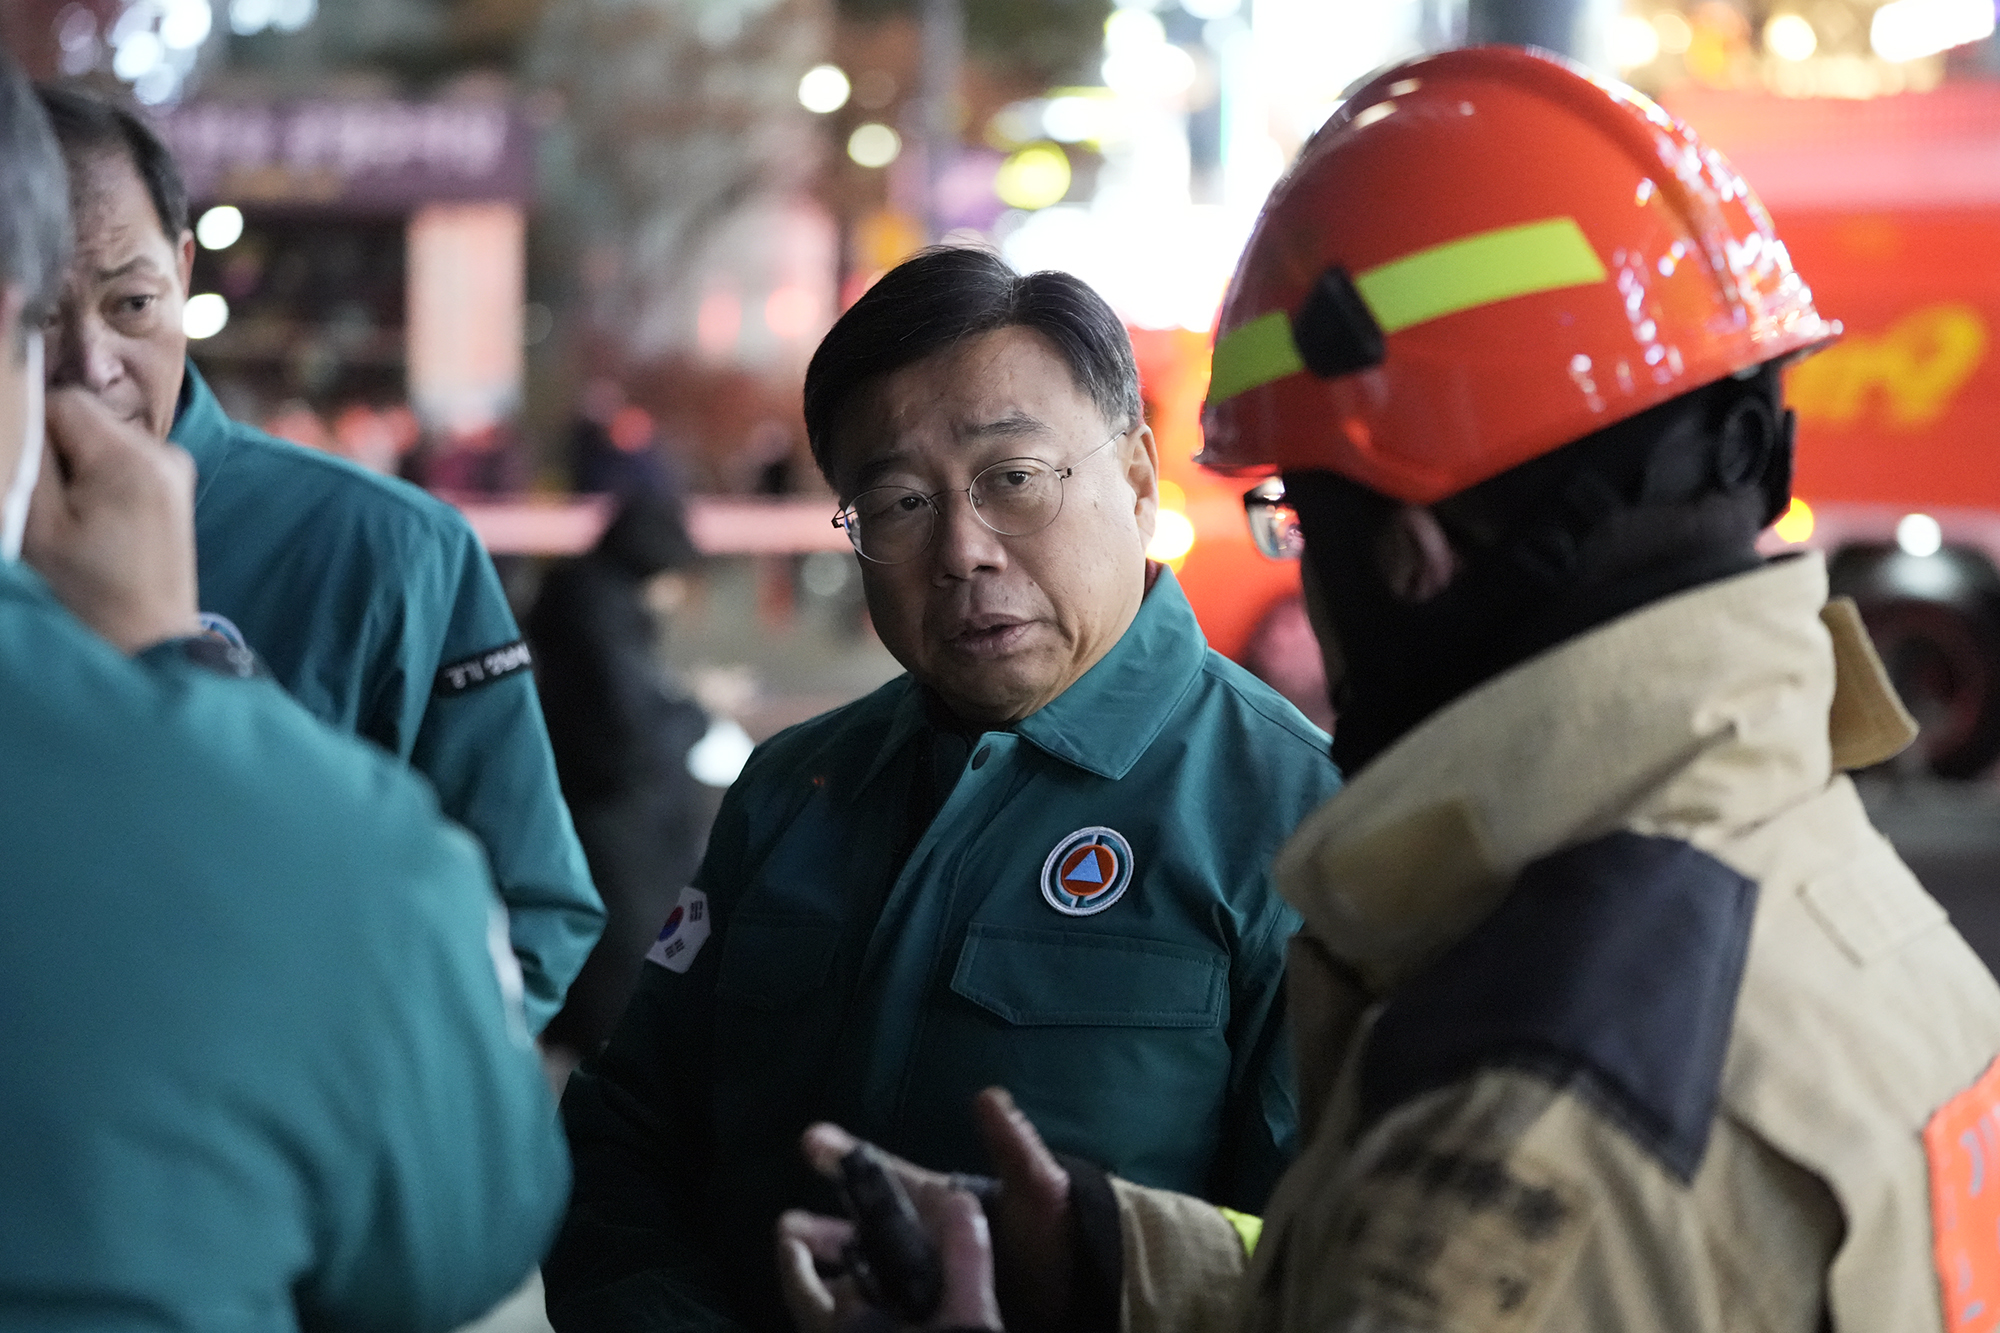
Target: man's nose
x: 84, y: 354
x: 963, y: 545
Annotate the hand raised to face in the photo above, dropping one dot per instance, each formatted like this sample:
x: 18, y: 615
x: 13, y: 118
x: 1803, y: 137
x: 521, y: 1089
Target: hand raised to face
x: 111, y: 527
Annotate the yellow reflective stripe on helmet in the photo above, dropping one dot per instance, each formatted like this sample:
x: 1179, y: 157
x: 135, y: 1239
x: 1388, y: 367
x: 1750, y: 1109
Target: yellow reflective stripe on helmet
x: 1253, y: 354
x: 1248, y: 1228
x: 1478, y: 270
x: 1464, y: 274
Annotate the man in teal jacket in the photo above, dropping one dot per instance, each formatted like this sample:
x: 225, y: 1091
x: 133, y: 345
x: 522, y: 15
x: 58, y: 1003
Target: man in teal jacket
x: 371, y: 602
x: 263, y: 1064
x: 1039, y: 859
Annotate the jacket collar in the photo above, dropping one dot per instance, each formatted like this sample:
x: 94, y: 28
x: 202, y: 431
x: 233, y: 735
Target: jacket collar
x: 1694, y: 717
x: 20, y: 582
x: 200, y: 427
x: 1106, y: 720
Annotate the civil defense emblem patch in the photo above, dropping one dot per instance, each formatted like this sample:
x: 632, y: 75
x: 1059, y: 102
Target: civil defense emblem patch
x: 1087, y: 872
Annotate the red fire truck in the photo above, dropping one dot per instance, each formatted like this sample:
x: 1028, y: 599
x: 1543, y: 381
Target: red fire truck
x: 1891, y: 210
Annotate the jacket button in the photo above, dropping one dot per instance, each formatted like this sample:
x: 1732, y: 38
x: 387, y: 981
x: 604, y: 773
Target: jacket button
x: 979, y: 760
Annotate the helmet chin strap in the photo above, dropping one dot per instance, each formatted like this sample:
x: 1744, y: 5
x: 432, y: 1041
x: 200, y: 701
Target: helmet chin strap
x: 14, y: 504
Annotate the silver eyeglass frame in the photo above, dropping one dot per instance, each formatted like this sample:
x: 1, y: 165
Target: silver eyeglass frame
x: 845, y: 519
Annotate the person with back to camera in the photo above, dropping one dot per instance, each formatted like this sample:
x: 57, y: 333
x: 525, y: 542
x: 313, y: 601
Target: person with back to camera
x: 1613, y: 1011
x: 264, y: 1065
x: 1037, y: 858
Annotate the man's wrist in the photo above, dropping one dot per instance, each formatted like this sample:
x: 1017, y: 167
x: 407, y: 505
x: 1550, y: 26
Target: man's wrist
x: 141, y: 636
x: 210, y: 652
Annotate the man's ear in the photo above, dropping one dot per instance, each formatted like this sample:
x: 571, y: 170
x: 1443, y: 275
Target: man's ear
x: 1777, y: 481
x: 1415, y: 556
x: 1142, y: 473
x: 187, y: 263
x: 13, y: 378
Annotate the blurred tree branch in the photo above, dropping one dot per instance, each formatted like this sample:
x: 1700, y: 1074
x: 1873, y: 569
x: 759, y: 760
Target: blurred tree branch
x: 675, y: 114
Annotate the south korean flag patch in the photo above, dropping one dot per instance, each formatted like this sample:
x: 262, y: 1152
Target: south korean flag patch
x: 1087, y: 871
x: 684, y: 933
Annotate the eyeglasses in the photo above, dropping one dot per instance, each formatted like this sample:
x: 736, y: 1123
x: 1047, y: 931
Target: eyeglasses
x: 1274, y: 524
x: 1015, y: 497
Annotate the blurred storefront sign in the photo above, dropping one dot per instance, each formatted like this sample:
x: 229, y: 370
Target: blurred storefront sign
x: 353, y: 156
x: 467, y: 282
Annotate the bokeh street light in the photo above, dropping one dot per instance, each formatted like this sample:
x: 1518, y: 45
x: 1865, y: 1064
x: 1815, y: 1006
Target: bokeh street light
x: 220, y: 227
x: 204, y: 315
x: 1033, y: 177
x: 824, y: 89
x: 1790, y: 37
x: 1919, y: 535
x: 1635, y: 42
x: 874, y: 145
x: 1911, y: 29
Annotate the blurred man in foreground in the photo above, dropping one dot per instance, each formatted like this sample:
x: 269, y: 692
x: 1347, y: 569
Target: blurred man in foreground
x: 372, y: 602
x: 264, y: 1064
x: 1039, y: 858
x: 1613, y: 1011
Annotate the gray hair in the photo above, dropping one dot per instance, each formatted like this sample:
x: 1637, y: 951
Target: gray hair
x: 34, y: 197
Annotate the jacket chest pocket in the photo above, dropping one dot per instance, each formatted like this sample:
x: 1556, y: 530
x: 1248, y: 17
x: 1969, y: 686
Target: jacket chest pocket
x: 1055, y: 978
x: 1116, y: 1047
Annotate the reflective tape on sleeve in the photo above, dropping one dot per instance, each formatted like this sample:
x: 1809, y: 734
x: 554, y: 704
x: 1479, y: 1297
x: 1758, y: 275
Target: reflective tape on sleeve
x: 1249, y: 1229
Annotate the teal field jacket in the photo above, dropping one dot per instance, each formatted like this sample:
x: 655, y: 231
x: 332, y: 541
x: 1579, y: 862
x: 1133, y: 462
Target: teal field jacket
x: 1088, y: 919
x: 260, y: 1069
x: 374, y: 604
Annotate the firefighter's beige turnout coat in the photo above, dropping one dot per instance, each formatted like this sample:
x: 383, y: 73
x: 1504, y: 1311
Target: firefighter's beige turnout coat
x: 1511, y: 1198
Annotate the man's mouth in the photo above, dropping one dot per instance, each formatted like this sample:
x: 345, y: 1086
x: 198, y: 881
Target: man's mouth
x: 989, y: 635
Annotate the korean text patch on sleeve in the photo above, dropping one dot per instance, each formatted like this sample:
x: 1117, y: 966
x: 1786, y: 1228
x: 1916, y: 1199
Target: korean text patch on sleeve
x: 454, y: 678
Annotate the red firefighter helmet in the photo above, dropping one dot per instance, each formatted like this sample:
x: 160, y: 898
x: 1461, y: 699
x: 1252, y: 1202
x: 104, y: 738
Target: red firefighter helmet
x: 1484, y: 255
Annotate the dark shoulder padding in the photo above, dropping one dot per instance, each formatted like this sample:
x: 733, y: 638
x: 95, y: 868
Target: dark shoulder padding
x: 1613, y: 964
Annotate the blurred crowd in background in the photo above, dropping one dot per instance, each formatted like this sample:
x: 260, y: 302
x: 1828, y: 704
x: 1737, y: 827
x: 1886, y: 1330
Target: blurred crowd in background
x: 507, y: 246
x: 540, y: 256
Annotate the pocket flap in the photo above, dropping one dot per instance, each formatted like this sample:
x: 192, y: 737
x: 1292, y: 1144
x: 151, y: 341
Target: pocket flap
x: 1871, y: 904
x: 771, y: 962
x: 1054, y: 978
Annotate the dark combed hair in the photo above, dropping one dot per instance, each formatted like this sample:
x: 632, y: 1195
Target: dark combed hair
x: 34, y: 197
x: 88, y: 126
x: 946, y: 294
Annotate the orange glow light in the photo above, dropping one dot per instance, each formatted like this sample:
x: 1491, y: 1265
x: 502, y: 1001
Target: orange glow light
x: 1795, y: 525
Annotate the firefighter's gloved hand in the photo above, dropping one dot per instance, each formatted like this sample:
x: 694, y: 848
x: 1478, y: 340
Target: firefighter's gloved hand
x: 1031, y: 1260
x: 813, y: 1254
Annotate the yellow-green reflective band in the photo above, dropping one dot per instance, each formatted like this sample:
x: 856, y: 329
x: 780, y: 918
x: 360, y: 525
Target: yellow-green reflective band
x: 1248, y: 1228
x: 1464, y: 274
x: 1253, y: 354
x: 1479, y: 270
